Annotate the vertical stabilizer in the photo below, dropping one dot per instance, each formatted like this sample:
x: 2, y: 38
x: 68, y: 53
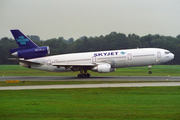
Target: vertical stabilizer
x: 22, y: 40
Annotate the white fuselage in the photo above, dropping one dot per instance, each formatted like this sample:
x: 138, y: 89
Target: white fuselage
x: 116, y: 58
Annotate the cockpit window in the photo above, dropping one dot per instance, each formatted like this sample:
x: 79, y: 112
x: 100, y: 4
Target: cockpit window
x: 167, y: 52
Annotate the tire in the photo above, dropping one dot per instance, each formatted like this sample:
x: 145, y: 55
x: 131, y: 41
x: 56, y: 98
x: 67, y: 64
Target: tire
x: 79, y: 76
x: 87, y: 75
x: 84, y: 75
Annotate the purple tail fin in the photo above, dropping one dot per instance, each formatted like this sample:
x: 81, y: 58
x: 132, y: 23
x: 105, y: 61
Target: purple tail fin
x: 22, y: 41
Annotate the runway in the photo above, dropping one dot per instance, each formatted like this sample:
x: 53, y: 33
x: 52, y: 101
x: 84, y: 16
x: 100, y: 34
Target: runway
x: 104, y: 85
x: 93, y: 78
x: 172, y: 81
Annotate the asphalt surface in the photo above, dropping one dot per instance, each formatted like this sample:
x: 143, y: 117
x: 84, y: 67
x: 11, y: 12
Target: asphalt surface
x: 105, y: 85
x: 175, y: 81
x: 99, y: 78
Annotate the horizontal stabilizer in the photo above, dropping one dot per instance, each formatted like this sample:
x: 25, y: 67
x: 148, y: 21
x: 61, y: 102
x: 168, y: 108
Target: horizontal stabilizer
x: 24, y: 61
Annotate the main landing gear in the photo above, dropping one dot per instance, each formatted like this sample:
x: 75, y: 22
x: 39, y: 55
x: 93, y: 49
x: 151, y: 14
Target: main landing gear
x: 83, y: 74
x: 150, y: 72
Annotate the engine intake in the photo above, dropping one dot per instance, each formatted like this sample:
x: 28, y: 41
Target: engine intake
x: 103, y: 68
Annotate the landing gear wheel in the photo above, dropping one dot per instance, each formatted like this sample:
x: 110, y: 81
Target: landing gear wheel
x: 79, y: 76
x: 150, y: 72
x: 87, y: 75
x: 83, y: 75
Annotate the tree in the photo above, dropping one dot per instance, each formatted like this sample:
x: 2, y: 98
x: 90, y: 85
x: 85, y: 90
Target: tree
x: 70, y: 40
x: 134, y: 41
x: 34, y: 37
x: 178, y: 36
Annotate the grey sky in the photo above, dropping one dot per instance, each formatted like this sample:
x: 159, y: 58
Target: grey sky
x: 76, y: 18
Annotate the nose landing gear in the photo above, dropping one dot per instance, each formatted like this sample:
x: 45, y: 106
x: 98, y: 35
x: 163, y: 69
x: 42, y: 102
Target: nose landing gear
x: 150, y: 72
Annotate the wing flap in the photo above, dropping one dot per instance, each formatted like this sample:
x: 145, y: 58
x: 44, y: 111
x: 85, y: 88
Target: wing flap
x: 74, y: 64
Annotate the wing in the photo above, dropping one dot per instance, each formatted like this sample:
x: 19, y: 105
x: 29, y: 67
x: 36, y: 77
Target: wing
x: 26, y: 62
x: 54, y: 64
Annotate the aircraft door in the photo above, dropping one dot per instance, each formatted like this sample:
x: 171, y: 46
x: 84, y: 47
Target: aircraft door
x: 49, y: 62
x: 158, y: 54
x: 129, y: 56
x: 129, y: 59
x: 93, y: 59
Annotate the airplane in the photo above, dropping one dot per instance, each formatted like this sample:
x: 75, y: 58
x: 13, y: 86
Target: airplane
x: 30, y: 55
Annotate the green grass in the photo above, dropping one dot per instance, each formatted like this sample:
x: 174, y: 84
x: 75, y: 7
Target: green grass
x: 145, y: 103
x: 158, y: 70
x: 150, y: 103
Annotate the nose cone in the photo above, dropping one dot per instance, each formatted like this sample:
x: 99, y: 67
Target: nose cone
x: 168, y: 56
x: 171, y: 56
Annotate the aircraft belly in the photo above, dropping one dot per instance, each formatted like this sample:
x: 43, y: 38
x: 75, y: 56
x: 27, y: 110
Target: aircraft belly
x: 135, y: 62
x: 120, y: 63
x: 49, y: 68
x: 143, y: 61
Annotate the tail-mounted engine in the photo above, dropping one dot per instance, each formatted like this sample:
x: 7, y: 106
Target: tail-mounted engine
x: 30, y: 53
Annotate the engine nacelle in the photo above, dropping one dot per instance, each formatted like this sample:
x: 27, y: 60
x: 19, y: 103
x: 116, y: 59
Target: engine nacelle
x: 103, y: 68
x: 32, y: 52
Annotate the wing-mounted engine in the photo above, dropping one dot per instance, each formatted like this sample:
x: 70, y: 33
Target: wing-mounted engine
x: 30, y: 53
x: 103, y: 68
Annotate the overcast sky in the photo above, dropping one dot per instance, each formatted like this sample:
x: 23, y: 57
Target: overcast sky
x: 76, y: 18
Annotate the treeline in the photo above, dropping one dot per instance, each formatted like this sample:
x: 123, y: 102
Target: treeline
x: 109, y: 42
